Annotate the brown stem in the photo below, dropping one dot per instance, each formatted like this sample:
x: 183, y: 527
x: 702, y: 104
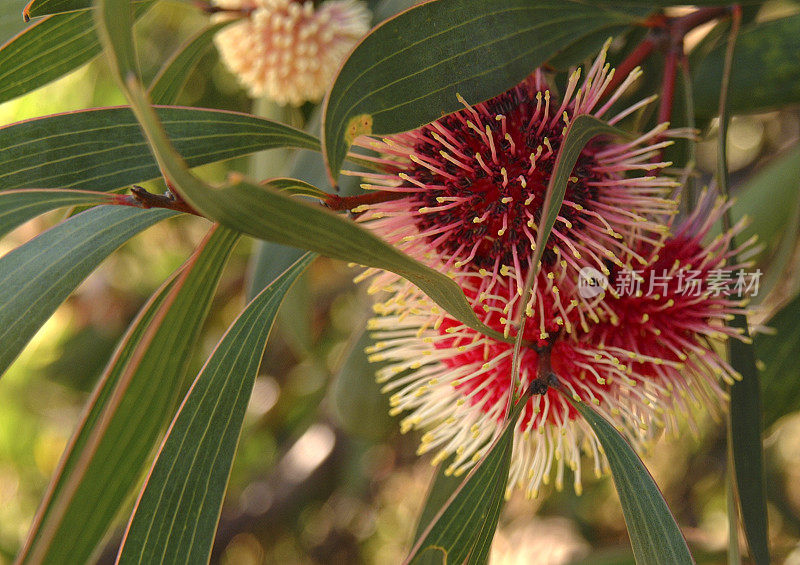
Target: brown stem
x: 668, y: 83
x: 140, y: 198
x: 676, y: 30
x: 544, y: 373
x: 339, y: 203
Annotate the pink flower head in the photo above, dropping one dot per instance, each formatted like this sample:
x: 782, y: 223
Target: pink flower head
x: 466, y: 191
x: 288, y: 50
x: 464, y: 194
x: 648, y: 358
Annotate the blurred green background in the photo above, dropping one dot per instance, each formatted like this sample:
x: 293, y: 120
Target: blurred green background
x: 322, y: 475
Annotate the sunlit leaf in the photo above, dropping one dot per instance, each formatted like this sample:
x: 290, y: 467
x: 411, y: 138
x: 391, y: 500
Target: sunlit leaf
x: 655, y: 537
x: 267, y: 213
x: 104, y: 149
x: 37, y: 277
x: 19, y: 206
x: 130, y: 409
x: 47, y: 50
x: 409, y: 70
x: 177, y: 512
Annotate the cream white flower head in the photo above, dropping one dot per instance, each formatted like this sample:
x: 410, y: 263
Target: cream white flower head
x: 288, y: 50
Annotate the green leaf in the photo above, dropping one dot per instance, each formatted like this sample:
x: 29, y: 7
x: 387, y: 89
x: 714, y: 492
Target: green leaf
x: 356, y: 395
x: 769, y: 197
x: 93, y: 412
x: 765, y: 73
x: 37, y: 8
x: 781, y: 373
x: 47, y: 50
x: 408, y: 71
x: 439, y: 492
x: 655, y: 537
x: 745, y: 419
x: 11, y: 20
x: 582, y: 129
x: 176, y: 72
x: 266, y: 212
x: 464, y: 527
x: 177, y: 512
x: 37, y: 277
x: 19, y: 206
x: 104, y: 149
x: 117, y: 22
x: 130, y: 409
x: 745, y: 427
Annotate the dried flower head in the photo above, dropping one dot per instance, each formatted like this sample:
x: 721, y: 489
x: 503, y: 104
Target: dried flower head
x: 289, y: 50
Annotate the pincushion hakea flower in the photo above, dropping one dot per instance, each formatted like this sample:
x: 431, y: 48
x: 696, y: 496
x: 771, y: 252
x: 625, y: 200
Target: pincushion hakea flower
x: 467, y: 190
x: 289, y: 50
x: 640, y: 367
x: 464, y: 194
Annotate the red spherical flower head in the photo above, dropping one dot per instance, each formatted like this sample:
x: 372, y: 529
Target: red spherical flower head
x: 672, y: 314
x: 644, y: 362
x: 454, y: 383
x: 467, y: 190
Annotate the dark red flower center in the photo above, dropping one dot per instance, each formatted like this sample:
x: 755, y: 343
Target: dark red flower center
x: 486, y: 171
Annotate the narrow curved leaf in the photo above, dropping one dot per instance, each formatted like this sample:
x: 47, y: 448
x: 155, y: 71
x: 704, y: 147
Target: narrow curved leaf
x: 104, y: 149
x: 100, y: 398
x: 176, y: 72
x: 781, y: 373
x: 439, y: 492
x: 19, y: 206
x: 266, y: 212
x: 47, y: 50
x: 464, y: 526
x: 37, y: 277
x: 130, y: 409
x: 745, y: 421
x: 37, y: 8
x: 579, y: 132
x: 582, y: 129
x: 408, y: 71
x: 764, y: 75
x: 745, y: 428
x: 177, y: 512
x: 655, y: 537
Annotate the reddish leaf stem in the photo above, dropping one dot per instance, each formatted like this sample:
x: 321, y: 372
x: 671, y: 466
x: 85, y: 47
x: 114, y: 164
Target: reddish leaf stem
x: 339, y: 203
x: 140, y: 198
